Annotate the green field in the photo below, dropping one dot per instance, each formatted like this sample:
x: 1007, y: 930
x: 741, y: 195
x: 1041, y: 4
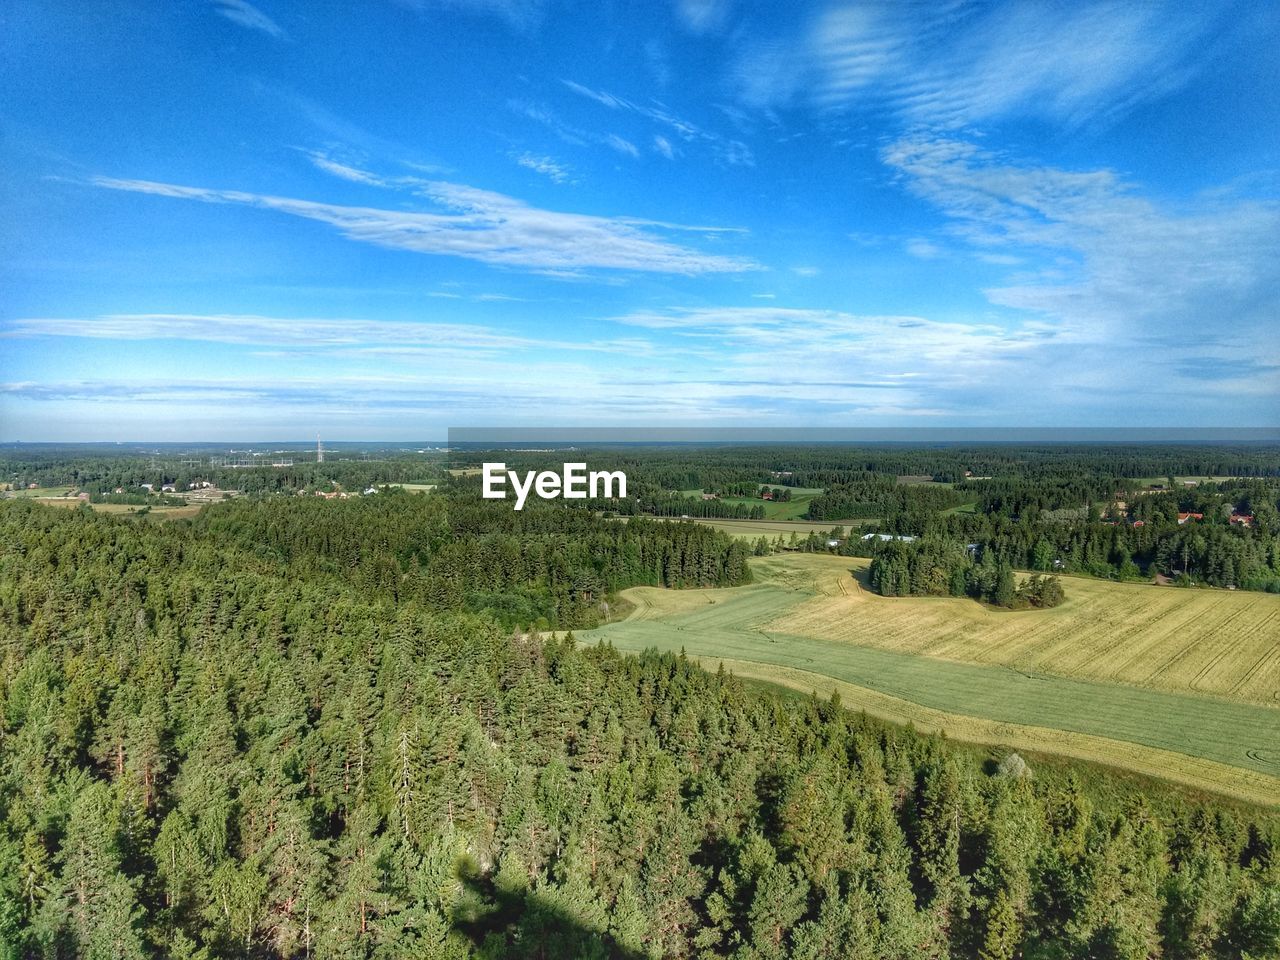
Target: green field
x: 793, y: 509
x: 158, y: 512
x: 39, y: 492
x: 808, y: 624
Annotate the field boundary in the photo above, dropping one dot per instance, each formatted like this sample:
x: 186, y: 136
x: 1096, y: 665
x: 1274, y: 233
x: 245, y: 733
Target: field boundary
x: 1184, y: 769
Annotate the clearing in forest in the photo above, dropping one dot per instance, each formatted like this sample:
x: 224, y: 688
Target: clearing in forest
x: 1175, y: 683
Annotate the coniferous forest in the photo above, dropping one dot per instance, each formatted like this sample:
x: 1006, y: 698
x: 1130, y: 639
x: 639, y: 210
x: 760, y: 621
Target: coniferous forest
x: 305, y: 728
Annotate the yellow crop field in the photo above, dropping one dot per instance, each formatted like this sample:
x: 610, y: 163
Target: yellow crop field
x: 1225, y: 643
x: 1163, y: 681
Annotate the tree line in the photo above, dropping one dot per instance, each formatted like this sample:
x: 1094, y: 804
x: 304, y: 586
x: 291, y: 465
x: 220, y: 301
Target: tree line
x: 939, y: 568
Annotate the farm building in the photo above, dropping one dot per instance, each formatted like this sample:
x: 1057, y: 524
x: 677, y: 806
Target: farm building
x: 904, y: 538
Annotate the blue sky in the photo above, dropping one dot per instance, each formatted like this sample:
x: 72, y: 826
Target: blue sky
x: 225, y: 220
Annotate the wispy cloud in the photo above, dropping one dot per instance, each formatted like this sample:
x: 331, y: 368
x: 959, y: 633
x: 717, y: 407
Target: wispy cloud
x: 248, y: 16
x: 577, y: 136
x: 733, y: 152
x: 404, y: 342
x: 1112, y: 261
x: 367, y: 402
x: 522, y: 15
x: 922, y: 249
x: 622, y: 146
x: 703, y: 16
x: 957, y: 63
x: 834, y: 357
x: 981, y: 370
x: 345, y: 171
x: 663, y: 146
x: 547, y: 166
x: 481, y: 225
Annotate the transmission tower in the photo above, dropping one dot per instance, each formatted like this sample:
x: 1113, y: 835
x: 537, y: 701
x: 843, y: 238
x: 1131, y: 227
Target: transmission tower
x: 319, y: 449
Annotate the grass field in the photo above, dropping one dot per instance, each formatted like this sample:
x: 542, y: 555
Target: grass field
x: 39, y: 492
x: 415, y: 487
x: 809, y: 624
x: 1190, y: 771
x: 155, y: 513
x: 793, y: 509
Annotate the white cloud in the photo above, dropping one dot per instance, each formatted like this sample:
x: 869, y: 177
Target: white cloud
x: 345, y: 172
x: 804, y: 271
x: 922, y: 249
x: 312, y: 333
x: 522, y: 15
x: 621, y: 145
x: 732, y: 152
x: 570, y: 134
x: 481, y: 225
x: 663, y: 146
x: 1115, y: 263
x: 457, y: 392
x: 599, y: 96
x: 999, y: 259
x: 974, y: 370
x: 702, y: 16
x: 830, y: 356
x: 959, y: 63
x: 546, y: 166
x: 248, y: 16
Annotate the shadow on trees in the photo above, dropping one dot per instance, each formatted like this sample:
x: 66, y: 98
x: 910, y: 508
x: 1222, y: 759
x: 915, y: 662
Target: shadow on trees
x: 503, y: 924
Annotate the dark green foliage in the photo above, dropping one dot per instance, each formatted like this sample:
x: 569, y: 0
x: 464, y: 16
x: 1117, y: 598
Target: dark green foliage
x: 937, y: 568
x: 278, y: 732
x: 544, y: 565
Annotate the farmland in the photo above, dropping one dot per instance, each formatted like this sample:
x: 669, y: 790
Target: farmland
x: 1178, y: 683
x: 1224, y: 643
x: 38, y: 492
x: 793, y: 509
x: 158, y: 512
